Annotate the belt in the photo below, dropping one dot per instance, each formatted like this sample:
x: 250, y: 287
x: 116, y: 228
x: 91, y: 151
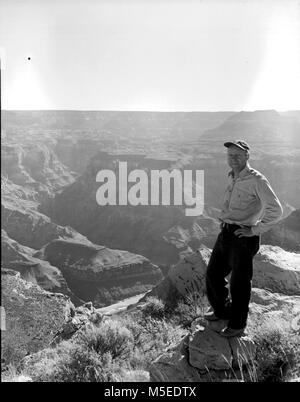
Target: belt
x: 231, y: 227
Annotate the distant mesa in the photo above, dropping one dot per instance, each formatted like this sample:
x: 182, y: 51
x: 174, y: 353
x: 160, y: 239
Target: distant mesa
x: 256, y: 127
x: 258, y: 115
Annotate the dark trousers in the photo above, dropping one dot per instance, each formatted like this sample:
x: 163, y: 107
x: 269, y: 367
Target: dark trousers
x: 235, y: 255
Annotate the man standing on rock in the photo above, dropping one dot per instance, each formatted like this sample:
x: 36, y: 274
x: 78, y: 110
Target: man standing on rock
x: 250, y: 208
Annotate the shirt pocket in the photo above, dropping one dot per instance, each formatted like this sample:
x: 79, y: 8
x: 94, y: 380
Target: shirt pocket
x: 244, y: 197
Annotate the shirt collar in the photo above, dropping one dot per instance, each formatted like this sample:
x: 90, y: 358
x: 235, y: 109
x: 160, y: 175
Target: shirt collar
x: 242, y: 173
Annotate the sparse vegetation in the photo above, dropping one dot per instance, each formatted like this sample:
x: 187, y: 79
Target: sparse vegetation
x: 73, y: 362
x: 277, y: 356
x: 109, y: 337
x: 154, y: 308
x: 119, y: 349
x: 122, y: 348
x: 188, y: 309
x: 181, y: 311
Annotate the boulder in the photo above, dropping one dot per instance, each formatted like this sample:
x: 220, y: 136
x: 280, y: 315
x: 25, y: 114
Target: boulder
x: 189, y: 274
x: 208, y: 350
x: 203, y: 356
x: 274, y: 269
x: 82, y: 316
x: 277, y: 270
x: 33, y: 316
x: 281, y: 310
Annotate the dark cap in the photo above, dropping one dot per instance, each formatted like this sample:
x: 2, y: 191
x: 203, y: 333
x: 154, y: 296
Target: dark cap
x: 240, y: 144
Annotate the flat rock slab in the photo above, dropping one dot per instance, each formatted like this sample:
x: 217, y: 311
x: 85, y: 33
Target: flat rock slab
x: 209, y: 350
x: 173, y: 365
x: 204, y: 356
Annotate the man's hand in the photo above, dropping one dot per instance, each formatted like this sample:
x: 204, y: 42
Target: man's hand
x: 244, y: 232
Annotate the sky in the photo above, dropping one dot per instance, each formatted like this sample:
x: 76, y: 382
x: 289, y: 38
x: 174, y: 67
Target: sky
x: 164, y: 55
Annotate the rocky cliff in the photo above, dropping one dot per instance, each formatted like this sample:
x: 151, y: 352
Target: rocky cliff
x: 98, y: 273
x: 68, y: 260
x: 34, y: 166
x: 162, y: 233
x: 17, y: 257
x: 36, y: 319
x: 32, y: 228
x: 159, y: 232
x: 25, y: 231
x: 33, y: 316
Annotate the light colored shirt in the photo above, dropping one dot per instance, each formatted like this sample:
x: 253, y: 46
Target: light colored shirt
x: 249, y: 200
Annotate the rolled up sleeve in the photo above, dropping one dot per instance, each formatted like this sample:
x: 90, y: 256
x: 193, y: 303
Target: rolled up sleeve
x: 272, y: 209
